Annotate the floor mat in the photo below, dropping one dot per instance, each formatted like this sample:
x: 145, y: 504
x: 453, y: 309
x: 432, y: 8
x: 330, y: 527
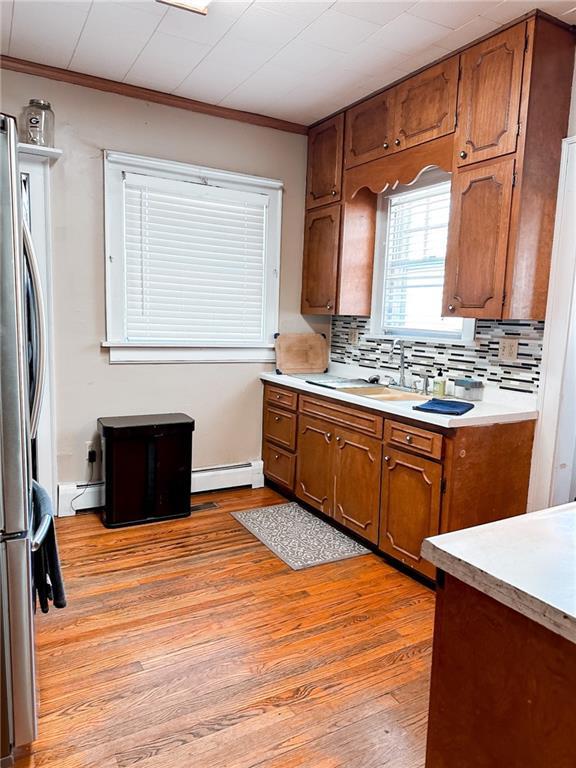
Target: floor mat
x: 298, y: 537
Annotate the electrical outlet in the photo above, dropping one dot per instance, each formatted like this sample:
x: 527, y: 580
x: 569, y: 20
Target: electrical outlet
x: 508, y: 349
x: 353, y: 336
x: 90, y: 446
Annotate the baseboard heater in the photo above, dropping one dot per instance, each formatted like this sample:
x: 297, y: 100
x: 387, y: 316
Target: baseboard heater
x: 73, y: 497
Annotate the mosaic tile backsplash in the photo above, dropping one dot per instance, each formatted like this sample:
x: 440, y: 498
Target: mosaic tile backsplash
x: 475, y: 359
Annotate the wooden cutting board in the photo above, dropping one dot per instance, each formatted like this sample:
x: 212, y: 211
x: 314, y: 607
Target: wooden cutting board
x: 301, y: 353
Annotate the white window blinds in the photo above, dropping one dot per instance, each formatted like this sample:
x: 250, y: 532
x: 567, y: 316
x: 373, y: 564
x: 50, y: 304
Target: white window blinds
x: 415, y: 253
x: 195, y: 263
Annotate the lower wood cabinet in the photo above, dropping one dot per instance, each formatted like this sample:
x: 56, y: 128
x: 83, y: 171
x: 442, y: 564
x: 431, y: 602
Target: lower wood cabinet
x: 314, y: 463
x: 410, y: 509
x: 390, y: 482
x: 338, y: 473
x: 357, y: 467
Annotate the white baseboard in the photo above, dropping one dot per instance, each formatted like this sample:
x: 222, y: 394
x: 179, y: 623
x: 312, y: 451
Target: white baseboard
x: 214, y: 478
x: 207, y: 479
x: 92, y: 496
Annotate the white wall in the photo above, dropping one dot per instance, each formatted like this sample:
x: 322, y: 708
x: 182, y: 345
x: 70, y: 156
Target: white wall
x: 225, y: 399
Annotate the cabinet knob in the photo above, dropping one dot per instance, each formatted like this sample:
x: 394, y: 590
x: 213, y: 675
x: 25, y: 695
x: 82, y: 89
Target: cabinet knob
x: 409, y: 438
x: 463, y: 154
x: 276, y: 456
x: 397, y: 142
x: 278, y: 397
x: 328, y: 306
x: 333, y: 193
x: 328, y: 435
x: 386, y: 459
x: 338, y: 439
x: 451, y: 308
x: 385, y: 145
x: 276, y: 418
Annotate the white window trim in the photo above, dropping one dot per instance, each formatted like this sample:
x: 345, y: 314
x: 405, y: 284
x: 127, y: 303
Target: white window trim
x: 376, y: 331
x: 121, y: 351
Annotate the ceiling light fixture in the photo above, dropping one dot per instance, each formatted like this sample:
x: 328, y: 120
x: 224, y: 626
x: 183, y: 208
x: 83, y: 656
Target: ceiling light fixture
x: 196, y: 6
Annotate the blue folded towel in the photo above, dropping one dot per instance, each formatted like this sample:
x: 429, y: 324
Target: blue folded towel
x: 448, y: 407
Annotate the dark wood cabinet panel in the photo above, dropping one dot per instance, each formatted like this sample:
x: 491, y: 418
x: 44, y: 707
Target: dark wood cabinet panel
x: 410, y: 507
x: 478, y: 240
x: 370, y: 129
x: 320, y: 267
x: 280, y: 427
x: 279, y: 465
x: 489, y: 101
x: 314, y: 465
x: 346, y: 415
x: 426, y: 105
x: 357, y: 470
x: 324, y: 178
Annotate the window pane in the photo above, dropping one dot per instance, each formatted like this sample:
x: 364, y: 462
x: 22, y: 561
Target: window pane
x: 414, y: 263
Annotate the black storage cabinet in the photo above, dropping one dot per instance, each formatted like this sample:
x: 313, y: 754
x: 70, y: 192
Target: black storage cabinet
x: 147, y: 467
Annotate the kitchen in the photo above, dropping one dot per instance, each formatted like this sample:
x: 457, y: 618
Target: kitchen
x: 364, y: 460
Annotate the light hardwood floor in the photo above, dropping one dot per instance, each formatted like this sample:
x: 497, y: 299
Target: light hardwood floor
x: 189, y: 644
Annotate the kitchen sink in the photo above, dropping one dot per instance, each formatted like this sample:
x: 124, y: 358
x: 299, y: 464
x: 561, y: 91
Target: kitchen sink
x: 382, y: 393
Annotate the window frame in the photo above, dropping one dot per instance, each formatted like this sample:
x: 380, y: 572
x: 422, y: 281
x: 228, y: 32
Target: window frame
x: 377, y: 330
x: 123, y: 351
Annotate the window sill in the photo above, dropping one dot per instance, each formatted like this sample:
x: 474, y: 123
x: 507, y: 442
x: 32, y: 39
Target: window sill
x: 123, y: 352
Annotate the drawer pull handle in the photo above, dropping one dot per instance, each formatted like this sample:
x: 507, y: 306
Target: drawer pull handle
x: 276, y: 456
x: 397, y: 142
x: 409, y: 438
x: 386, y: 459
x: 451, y: 308
x: 385, y: 145
x: 328, y: 435
x: 338, y: 439
x: 463, y: 154
x: 278, y: 397
x: 276, y: 418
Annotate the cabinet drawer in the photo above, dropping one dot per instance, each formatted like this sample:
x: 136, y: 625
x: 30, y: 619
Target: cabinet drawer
x: 279, y: 396
x: 359, y: 420
x: 280, y: 427
x: 279, y: 465
x: 413, y: 439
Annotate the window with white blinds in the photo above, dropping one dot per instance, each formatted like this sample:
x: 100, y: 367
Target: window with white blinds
x: 415, y: 230
x: 197, y: 259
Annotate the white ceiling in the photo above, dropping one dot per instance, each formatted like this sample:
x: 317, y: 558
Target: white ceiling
x: 298, y: 60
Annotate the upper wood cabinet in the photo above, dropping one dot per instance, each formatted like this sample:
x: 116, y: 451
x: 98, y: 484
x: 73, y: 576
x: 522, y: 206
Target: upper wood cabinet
x: 324, y: 177
x: 418, y: 110
x: 370, y: 129
x: 411, y: 492
x: 320, y: 267
x: 426, y: 105
x: 490, y: 91
x: 357, y: 467
x: 478, y: 240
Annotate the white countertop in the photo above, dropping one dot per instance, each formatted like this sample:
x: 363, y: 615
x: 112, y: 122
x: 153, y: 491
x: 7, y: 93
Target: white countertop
x: 527, y: 563
x: 483, y: 413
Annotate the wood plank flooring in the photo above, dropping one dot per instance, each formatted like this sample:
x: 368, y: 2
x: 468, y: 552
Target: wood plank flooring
x: 188, y: 643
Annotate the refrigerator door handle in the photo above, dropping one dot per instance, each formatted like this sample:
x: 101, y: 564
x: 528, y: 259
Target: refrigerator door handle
x: 40, y: 533
x: 41, y: 330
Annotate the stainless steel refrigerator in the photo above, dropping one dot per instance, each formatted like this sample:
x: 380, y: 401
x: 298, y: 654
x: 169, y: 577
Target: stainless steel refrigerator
x: 22, y: 364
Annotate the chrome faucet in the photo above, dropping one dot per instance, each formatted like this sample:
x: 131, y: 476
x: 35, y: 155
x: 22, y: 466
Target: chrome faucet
x: 400, y: 344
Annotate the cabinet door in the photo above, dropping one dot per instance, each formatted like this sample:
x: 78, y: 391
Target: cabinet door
x: 410, y: 512
x: 320, y: 268
x: 370, y: 129
x: 314, y: 463
x: 324, y: 180
x: 426, y: 105
x: 357, y: 474
x: 478, y: 240
x: 489, y: 100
